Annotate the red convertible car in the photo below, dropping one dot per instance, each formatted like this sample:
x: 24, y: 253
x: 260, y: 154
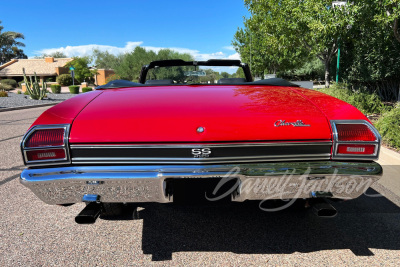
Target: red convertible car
x: 179, y: 128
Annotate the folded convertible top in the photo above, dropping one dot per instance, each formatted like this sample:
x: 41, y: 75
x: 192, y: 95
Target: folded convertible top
x: 124, y: 83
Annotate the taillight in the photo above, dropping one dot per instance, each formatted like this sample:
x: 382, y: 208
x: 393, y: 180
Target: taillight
x: 355, y: 140
x: 354, y: 132
x: 44, y: 144
x: 48, y: 137
x: 45, y: 154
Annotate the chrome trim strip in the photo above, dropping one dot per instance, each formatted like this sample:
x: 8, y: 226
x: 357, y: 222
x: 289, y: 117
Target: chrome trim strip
x: 336, y: 142
x: 147, y: 183
x: 207, y: 159
x: 197, y: 145
x: 199, y: 162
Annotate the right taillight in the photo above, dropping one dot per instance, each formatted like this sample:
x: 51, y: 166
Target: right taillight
x: 355, y: 140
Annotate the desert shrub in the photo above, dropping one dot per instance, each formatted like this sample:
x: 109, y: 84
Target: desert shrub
x: 64, y: 80
x: 3, y: 94
x: 5, y: 87
x: 389, y: 126
x: 26, y: 92
x: 56, y: 88
x: 19, y: 92
x: 366, y: 102
x: 86, y: 89
x: 11, y: 82
x: 74, y: 89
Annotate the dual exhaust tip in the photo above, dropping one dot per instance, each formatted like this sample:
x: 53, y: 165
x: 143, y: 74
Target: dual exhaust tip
x: 320, y: 207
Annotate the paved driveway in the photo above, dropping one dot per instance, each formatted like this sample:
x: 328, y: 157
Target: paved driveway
x: 366, y: 231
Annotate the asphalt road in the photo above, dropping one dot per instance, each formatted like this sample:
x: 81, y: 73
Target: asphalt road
x: 366, y: 230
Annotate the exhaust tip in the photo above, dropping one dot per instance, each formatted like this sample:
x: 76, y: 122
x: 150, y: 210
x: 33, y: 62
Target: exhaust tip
x: 324, y: 210
x: 326, y: 213
x: 89, y: 214
x: 85, y: 219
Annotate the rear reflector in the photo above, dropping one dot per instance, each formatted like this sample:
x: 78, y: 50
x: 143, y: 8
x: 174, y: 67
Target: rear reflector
x: 358, y: 149
x: 45, y: 154
x: 354, y: 132
x: 46, y: 137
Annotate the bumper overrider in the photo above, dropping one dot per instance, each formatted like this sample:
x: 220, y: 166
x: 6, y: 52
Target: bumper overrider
x: 64, y: 185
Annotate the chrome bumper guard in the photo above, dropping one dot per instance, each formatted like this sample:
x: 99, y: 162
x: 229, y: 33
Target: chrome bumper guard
x: 63, y: 185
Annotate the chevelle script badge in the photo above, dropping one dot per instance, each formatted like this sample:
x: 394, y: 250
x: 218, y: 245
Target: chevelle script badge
x: 298, y: 123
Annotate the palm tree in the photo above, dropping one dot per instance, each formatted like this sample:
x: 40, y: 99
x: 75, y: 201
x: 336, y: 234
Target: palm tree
x: 9, y: 45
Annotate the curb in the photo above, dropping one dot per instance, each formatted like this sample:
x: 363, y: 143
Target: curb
x: 27, y: 107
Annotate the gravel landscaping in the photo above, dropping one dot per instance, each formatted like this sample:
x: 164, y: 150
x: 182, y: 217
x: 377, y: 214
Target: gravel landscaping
x: 20, y: 100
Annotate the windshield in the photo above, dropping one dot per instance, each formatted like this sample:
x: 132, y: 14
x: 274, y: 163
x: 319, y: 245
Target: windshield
x: 194, y: 74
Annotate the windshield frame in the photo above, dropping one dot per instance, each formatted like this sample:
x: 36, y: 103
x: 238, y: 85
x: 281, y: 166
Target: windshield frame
x: 210, y: 63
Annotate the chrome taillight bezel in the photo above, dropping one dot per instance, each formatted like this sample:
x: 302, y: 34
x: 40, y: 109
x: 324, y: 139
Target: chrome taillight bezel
x: 64, y: 146
x: 336, y: 142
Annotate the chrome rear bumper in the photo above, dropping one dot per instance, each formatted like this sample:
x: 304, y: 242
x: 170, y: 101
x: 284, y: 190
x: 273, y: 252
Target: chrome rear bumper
x: 62, y: 185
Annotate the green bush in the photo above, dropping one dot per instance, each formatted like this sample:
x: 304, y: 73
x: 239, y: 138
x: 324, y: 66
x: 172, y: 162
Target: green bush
x: 366, y: 102
x: 389, y: 127
x: 19, y: 92
x: 5, y: 87
x: 11, y: 82
x: 3, y: 94
x: 64, y: 80
x: 56, y: 88
x: 86, y: 89
x: 74, y: 89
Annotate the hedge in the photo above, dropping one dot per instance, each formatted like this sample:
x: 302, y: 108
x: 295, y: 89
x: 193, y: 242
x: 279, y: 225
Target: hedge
x: 64, y: 80
x: 86, y: 89
x: 10, y: 82
x: 389, y: 127
x: 74, y: 89
x: 56, y: 88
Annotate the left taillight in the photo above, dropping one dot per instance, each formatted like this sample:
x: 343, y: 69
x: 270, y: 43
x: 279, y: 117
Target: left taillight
x: 355, y: 140
x: 46, y: 144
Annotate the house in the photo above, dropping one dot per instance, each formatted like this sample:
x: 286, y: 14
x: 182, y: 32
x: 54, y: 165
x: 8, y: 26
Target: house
x: 45, y: 68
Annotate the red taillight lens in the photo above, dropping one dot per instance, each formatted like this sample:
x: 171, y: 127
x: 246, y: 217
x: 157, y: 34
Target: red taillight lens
x: 45, y: 154
x: 356, y: 149
x: 354, y: 132
x: 46, y: 137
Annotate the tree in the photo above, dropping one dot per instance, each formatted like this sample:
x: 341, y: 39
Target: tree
x: 128, y: 65
x: 82, y: 71
x: 57, y: 54
x: 286, y: 27
x: 9, y: 45
x: 106, y: 60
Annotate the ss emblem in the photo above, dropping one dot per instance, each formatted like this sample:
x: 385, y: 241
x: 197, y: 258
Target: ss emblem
x: 201, y: 152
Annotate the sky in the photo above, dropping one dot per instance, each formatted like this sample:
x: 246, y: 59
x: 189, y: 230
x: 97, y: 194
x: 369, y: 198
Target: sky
x: 202, y: 28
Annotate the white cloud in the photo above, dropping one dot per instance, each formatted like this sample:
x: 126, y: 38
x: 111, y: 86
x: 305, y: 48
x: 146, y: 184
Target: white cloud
x: 229, y: 47
x: 234, y: 56
x: 86, y: 50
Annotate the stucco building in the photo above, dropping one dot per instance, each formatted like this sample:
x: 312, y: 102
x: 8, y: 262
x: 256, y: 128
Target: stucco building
x: 44, y: 68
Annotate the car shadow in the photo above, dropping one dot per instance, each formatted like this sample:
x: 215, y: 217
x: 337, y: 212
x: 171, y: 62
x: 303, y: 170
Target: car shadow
x: 363, y: 223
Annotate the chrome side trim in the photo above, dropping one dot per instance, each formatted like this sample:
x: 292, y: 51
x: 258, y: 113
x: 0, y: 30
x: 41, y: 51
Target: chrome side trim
x: 64, y: 146
x: 336, y: 142
x: 211, y: 145
x: 147, y: 183
x: 205, y: 159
